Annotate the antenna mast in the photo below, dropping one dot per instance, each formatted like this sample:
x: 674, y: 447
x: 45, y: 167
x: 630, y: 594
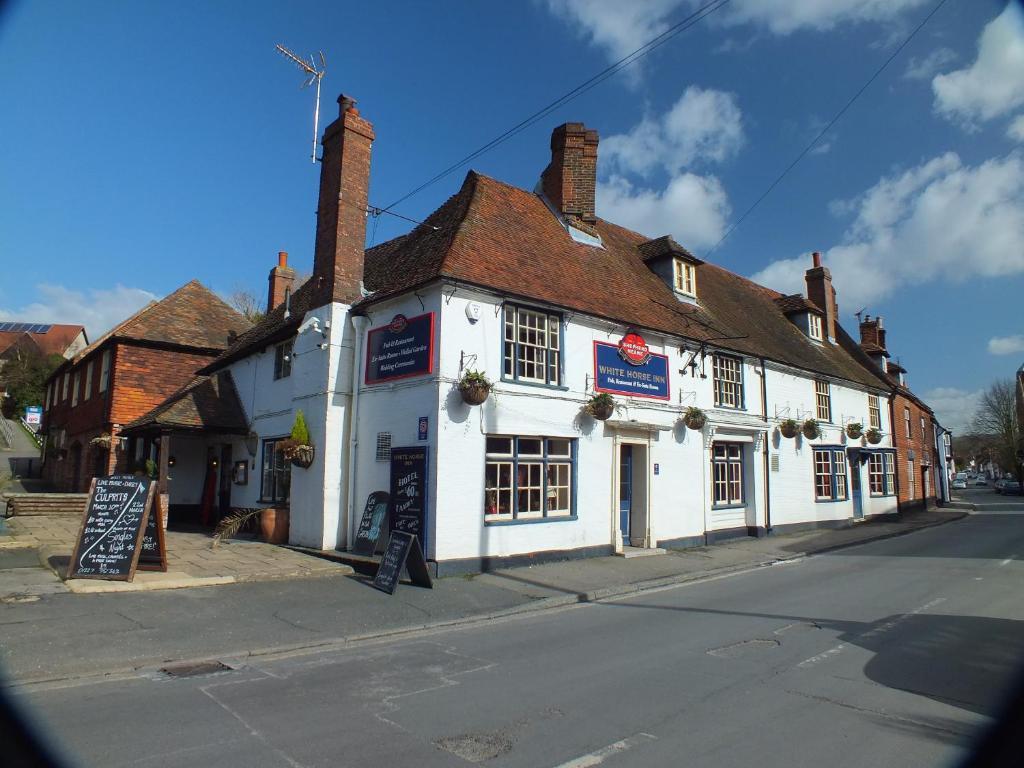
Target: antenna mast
x: 314, y: 75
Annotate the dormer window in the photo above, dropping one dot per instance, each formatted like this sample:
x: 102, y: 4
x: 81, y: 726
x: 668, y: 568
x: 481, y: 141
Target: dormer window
x: 814, y: 327
x: 685, y: 277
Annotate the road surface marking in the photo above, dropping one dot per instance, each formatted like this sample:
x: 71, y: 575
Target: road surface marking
x: 599, y: 756
x: 880, y: 629
x: 1007, y: 561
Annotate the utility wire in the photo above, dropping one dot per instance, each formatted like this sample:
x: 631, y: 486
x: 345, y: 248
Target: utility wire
x: 705, y: 10
x: 824, y: 130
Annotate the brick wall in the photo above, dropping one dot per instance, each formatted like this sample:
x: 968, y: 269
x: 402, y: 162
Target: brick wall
x: 922, y: 445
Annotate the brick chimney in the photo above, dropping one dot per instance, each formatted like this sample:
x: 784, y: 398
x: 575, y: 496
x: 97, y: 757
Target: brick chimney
x: 281, y: 279
x: 341, y: 212
x: 872, y: 340
x: 821, y: 292
x: 570, y: 180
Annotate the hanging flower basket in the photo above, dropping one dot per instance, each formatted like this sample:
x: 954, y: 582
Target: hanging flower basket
x: 694, y: 418
x: 474, y: 387
x: 302, y: 456
x: 298, y: 449
x: 854, y: 430
x: 874, y: 436
x: 789, y: 428
x: 600, y: 406
x: 811, y: 429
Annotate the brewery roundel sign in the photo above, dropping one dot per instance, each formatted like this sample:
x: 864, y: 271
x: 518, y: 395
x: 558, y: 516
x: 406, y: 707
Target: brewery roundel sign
x: 633, y: 349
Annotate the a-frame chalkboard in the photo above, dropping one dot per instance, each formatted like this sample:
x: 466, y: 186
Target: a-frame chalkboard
x: 153, y: 556
x: 114, y: 524
x: 371, y: 525
x: 402, y: 549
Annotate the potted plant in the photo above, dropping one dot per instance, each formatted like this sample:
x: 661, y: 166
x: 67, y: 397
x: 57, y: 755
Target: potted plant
x: 854, y: 430
x: 811, y: 429
x: 273, y: 523
x: 789, y: 427
x: 874, y: 436
x: 694, y: 418
x: 474, y: 387
x: 298, y: 449
x: 600, y: 406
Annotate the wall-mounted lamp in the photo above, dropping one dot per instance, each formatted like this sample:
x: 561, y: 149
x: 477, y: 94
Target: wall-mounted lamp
x: 171, y: 461
x: 252, y: 443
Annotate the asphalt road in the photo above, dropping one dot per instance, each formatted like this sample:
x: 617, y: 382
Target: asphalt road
x: 893, y: 653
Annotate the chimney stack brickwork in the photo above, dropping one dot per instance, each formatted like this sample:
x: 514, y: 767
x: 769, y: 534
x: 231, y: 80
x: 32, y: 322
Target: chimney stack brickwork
x: 821, y: 292
x: 341, y: 212
x: 570, y: 180
x: 280, y: 280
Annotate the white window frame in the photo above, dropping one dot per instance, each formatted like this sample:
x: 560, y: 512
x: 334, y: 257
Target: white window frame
x: 822, y: 400
x: 105, y: 370
x: 830, y: 474
x: 727, y: 475
x: 87, y: 393
x: 684, y: 277
x: 881, y: 476
x: 531, y: 346
x: 74, y: 389
x: 814, y: 326
x: 283, y: 353
x: 874, y: 412
x: 906, y: 421
x: 728, y: 381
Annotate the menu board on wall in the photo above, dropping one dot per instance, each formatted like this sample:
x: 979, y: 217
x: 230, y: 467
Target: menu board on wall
x: 409, y: 492
x: 401, y: 349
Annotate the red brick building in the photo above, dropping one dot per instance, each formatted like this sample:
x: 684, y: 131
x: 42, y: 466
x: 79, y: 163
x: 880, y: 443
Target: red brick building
x: 124, y: 374
x: 913, y: 424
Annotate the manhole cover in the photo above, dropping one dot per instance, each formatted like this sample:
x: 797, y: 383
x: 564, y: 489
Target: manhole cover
x: 195, y: 669
x: 477, y: 747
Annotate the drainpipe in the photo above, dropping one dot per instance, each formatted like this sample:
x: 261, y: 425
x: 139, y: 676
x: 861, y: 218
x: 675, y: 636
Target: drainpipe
x: 764, y: 452
x: 359, y: 324
x: 895, y: 455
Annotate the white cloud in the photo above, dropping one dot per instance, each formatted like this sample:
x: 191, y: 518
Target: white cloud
x: 1006, y: 345
x: 704, y: 124
x: 939, y: 220
x: 98, y: 309
x: 1016, y: 128
x: 930, y: 65
x: 693, y: 209
x: 621, y: 27
x: 994, y: 84
x: 955, y: 408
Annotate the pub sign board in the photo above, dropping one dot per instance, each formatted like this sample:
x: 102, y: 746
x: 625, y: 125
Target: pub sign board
x: 629, y: 368
x: 401, y: 349
x: 409, y: 492
x: 110, y: 538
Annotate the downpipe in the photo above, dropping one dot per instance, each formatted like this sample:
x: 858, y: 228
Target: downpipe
x: 359, y: 325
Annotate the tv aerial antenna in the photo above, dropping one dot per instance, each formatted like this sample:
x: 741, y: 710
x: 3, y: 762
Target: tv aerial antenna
x: 314, y: 75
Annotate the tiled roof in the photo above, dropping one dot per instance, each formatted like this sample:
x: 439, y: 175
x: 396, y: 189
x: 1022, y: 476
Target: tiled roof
x: 500, y: 237
x: 795, y: 303
x: 56, y: 340
x: 874, y: 349
x: 208, y: 403
x: 665, y: 245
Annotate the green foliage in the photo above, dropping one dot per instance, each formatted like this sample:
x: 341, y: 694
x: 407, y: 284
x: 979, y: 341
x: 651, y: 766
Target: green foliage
x: 152, y: 471
x: 24, y: 375
x: 601, y: 400
x: 300, y: 433
x: 233, y: 522
x: 475, y: 378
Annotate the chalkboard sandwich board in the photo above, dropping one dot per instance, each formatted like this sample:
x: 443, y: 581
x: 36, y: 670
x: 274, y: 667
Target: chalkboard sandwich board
x: 153, y: 556
x: 402, y: 549
x: 110, y: 539
x: 372, y: 523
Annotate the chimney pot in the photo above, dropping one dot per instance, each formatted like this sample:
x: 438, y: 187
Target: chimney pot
x: 346, y: 104
x: 816, y: 256
x: 282, y: 258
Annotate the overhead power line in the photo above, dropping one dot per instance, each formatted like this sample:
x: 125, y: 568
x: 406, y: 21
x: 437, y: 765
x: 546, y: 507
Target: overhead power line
x: 828, y: 126
x: 705, y: 10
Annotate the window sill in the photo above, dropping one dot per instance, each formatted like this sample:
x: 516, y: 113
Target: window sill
x: 830, y: 501
x: 536, y: 384
x: 716, y: 507
x: 272, y: 503
x: 530, y: 520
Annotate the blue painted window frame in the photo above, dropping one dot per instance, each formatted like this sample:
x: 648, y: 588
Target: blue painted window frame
x: 743, y: 383
x: 514, y: 378
x: 532, y: 459
x: 838, y: 454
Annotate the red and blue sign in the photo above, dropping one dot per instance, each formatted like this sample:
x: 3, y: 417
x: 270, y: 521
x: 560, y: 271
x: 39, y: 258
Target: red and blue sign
x: 630, y: 368
x: 401, y: 349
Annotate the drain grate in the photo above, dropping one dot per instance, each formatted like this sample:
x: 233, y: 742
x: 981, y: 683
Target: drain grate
x: 195, y: 669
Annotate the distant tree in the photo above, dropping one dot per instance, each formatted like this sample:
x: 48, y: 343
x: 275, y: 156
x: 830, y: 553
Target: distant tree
x: 246, y: 302
x: 24, y: 377
x: 997, y: 418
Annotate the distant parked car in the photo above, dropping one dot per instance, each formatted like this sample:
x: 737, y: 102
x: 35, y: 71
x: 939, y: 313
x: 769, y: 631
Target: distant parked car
x: 1011, y: 486
x: 959, y: 483
x: 980, y: 480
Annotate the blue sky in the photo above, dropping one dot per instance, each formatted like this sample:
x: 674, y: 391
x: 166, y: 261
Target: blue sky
x: 147, y: 144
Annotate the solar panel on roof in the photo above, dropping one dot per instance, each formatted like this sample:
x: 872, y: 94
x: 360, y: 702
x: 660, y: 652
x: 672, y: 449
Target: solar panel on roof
x: 25, y: 327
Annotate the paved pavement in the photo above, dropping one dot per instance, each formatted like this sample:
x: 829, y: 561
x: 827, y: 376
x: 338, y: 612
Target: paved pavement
x: 62, y: 636
x: 14, y: 458
x: 892, y: 653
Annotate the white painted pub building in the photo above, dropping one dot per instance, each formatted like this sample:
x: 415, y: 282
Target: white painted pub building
x: 553, y: 305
